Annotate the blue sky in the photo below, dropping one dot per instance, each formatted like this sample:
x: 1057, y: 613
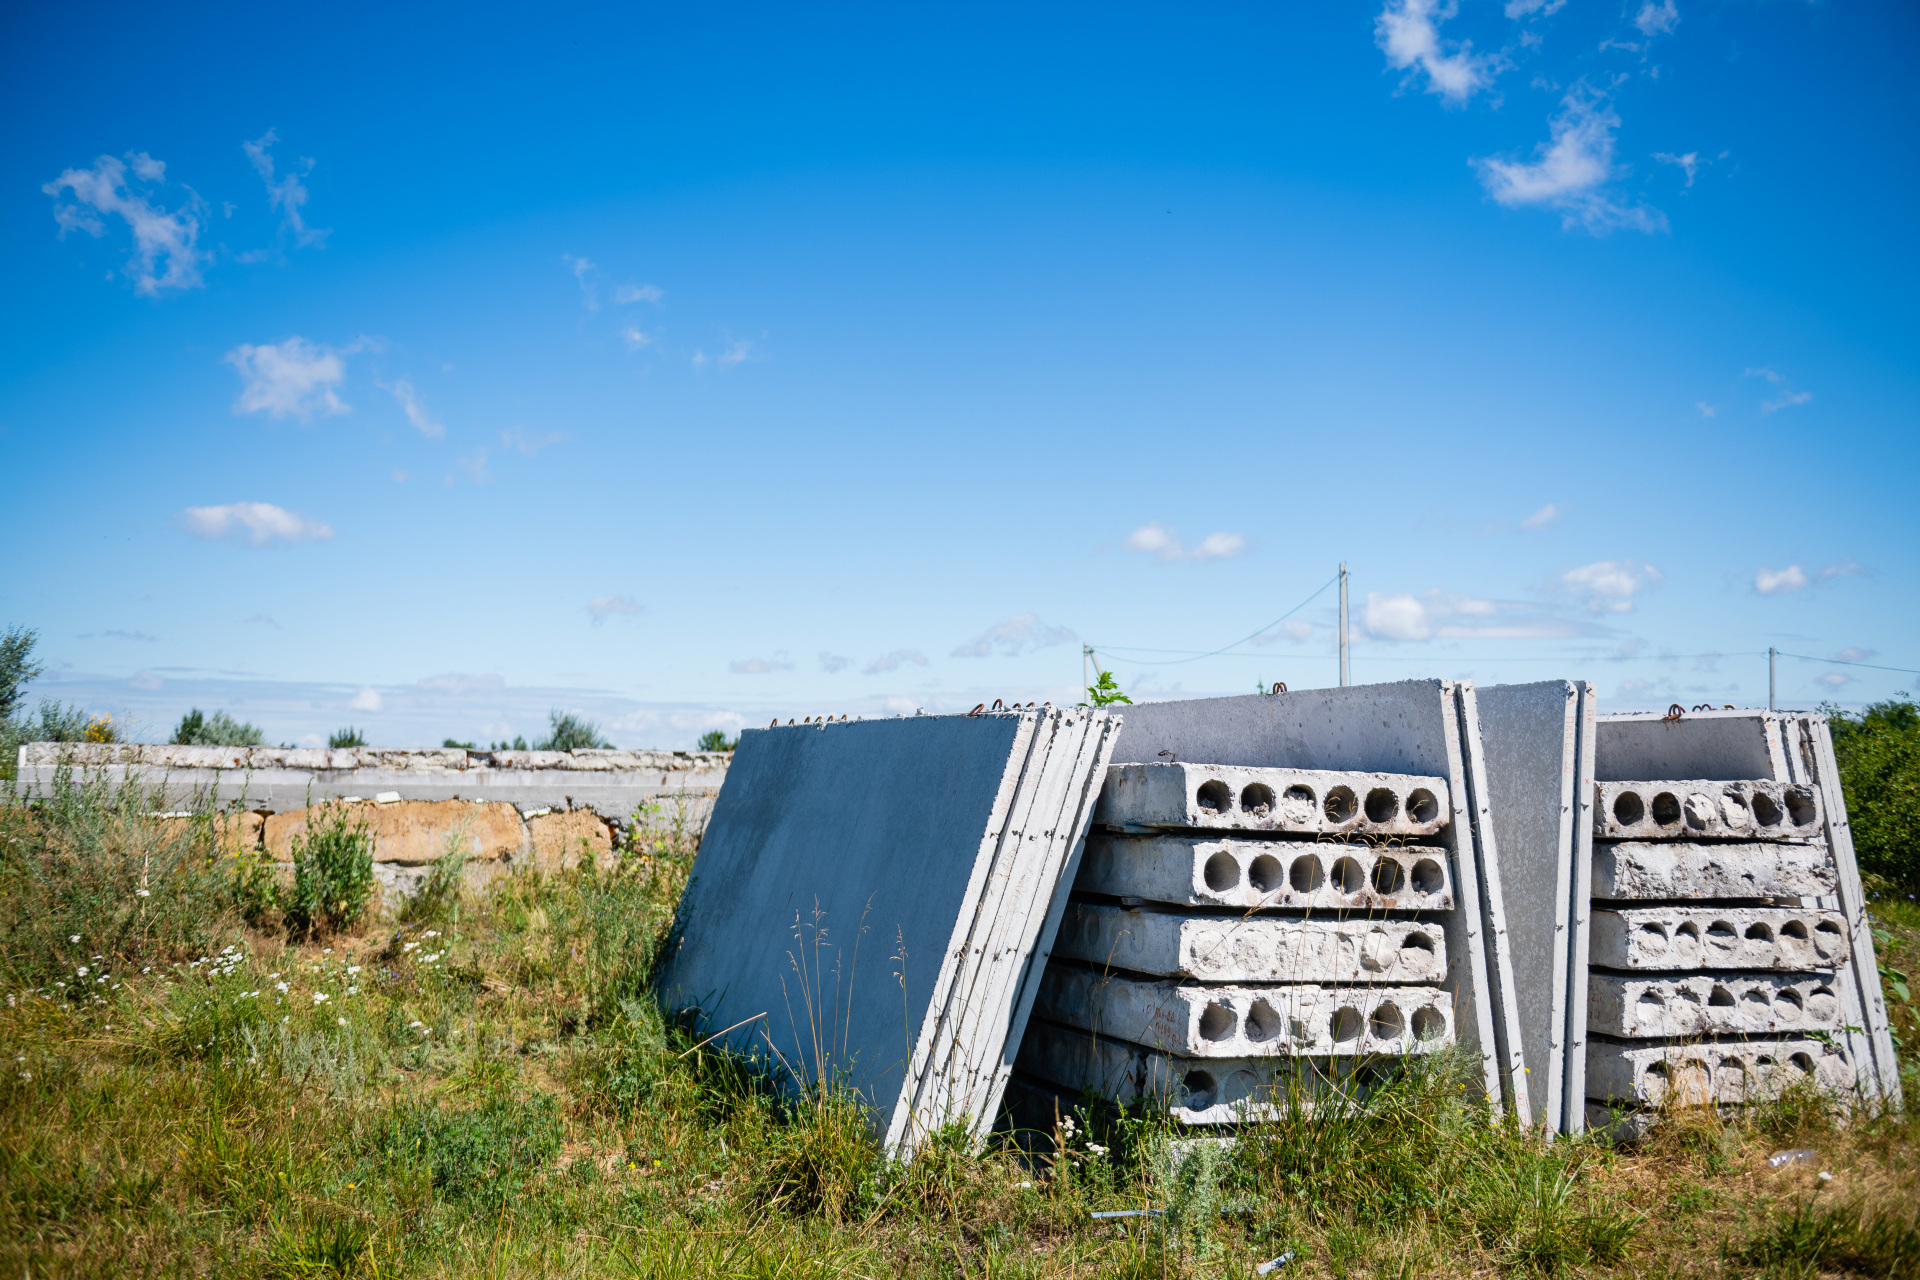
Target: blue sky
x: 425, y: 370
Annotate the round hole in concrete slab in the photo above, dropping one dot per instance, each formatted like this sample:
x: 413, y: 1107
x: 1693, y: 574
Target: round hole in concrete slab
x: 1428, y: 1023
x: 1222, y: 872
x: 1766, y: 811
x: 1786, y: 1006
x: 1416, y: 951
x: 1701, y: 811
x: 1653, y: 938
x: 1755, y: 1003
x: 1721, y: 998
x: 1256, y: 798
x: 1801, y: 810
x: 1264, y: 1022
x: 1383, y: 805
x: 1628, y: 808
x: 1341, y: 805
x: 1388, y: 877
x: 1217, y: 1022
x: 1422, y: 805
x: 1822, y: 1004
x: 1759, y: 936
x: 1386, y: 1022
x: 1801, y: 1062
x: 1733, y: 811
x: 1651, y: 1001
x: 1428, y: 878
x: 1346, y: 1025
x: 1214, y: 796
x: 1828, y: 939
x: 1265, y: 874
x: 1793, y: 941
x: 1721, y: 936
x: 1656, y: 1073
x: 1348, y: 877
x: 1297, y: 804
x: 1686, y: 942
x: 1306, y: 875
x: 1200, y: 1088
x: 1666, y: 809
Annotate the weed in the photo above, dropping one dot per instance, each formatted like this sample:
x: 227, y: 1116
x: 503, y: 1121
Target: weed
x: 1814, y: 1237
x: 347, y: 737
x: 197, y: 729
x: 332, y: 872
x: 484, y: 1156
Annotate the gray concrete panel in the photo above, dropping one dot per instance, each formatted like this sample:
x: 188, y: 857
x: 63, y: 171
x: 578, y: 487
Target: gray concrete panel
x: 1696, y: 744
x: 1703, y: 809
x: 1709, y: 1072
x: 1225, y: 948
x: 1249, y: 1022
x: 1573, y: 1110
x: 1648, y: 1008
x: 1670, y: 938
x: 1184, y: 796
x: 1635, y: 869
x: 1258, y: 874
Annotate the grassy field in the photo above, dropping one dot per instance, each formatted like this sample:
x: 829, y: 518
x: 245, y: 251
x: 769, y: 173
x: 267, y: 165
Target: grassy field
x: 484, y: 1089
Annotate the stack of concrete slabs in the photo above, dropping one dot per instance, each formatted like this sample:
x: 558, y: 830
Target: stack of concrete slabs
x: 1320, y: 896
x: 874, y: 900
x: 1729, y: 951
x: 1538, y: 745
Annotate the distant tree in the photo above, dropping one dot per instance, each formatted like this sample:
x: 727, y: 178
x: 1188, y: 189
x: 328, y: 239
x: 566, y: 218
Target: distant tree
x: 717, y: 740
x: 17, y: 667
x: 347, y: 737
x: 216, y: 730
x: 518, y: 744
x: 463, y: 746
x: 1878, y: 749
x: 569, y: 732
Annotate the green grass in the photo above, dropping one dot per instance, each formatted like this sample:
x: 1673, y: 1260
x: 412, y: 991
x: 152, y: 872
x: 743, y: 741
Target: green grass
x: 486, y: 1089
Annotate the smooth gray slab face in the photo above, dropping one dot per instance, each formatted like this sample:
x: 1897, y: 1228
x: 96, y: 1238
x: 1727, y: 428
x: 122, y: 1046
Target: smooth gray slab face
x: 1380, y: 728
x: 832, y: 852
x: 1706, y: 744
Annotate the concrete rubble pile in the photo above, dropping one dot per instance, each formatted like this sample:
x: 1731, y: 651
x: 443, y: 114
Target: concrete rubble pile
x: 874, y: 900
x: 1257, y: 925
x: 1729, y: 953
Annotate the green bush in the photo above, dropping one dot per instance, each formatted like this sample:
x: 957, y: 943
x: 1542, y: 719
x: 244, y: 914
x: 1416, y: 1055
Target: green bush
x: 481, y: 1158
x: 347, y: 737
x: 569, y: 732
x: 332, y: 873
x: 216, y: 730
x: 1879, y: 754
x: 717, y: 740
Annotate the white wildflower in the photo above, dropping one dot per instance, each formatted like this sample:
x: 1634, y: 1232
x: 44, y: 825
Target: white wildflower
x: 82, y: 971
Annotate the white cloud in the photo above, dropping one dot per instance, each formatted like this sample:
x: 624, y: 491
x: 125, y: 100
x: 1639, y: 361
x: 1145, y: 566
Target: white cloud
x: 1298, y: 630
x: 1408, y: 32
x: 1785, y: 398
x: 1706, y: 410
x: 158, y: 234
x: 583, y: 271
x: 891, y: 661
x: 1834, y: 679
x: 737, y: 352
x: 1784, y: 581
x: 288, y: 194
x: 1156, y: 539
x: 474, y: 467
x: 295, y: 378
x: 416, y: 412
x: 1609, y: 586
x: 146, y: 681
x: 1015, y: 636
x: 1570, y: 172
x: 368, y: 699
x: 1854, y: 654
x: 1688, y: 163
x: 1405, y: 617
x: 638, y: 293
x: 1657, y: 19
x: 460, y: 684
x: 600, y: 608
x: 832, y: 663
x: 635, y: 337
x: 760, y: 666
x: 258, y: 524
x: 522, y: 442
x: 1526, y: 8
x: 1545, y: 518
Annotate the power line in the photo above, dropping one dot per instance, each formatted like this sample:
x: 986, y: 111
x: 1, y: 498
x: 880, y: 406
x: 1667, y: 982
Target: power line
x: 1214, y: 653
x: 1844, y: 662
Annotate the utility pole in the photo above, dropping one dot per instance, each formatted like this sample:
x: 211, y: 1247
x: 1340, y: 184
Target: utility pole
x: 1772, y: 684
x: 1344, y: 672
x: 1086, y: 656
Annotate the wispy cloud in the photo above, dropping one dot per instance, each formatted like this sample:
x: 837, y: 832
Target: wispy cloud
x: 1609, y: 586
x: 147, y: 681
x: 1407, y: 618
x: 1528, y: 8
x: 760, y: 666
x: 1855, y: 654
x: 1769, y: 581
x: 289, y: 194
x: 737, y: 352
x: 1545, y: 518
x: 119, y: 634
x: 368, y: 699
x: 461, y: 684
x: 525, y: 443
x: 1163, y: 543
x: 295, y: 378
x: 1834, y: 679
x: 1784, y: 397
x: 583, y: 273
x: 627, y: 293
x: 160, y: 235
x: 833, y: 663
x: 1706, y: 410
x: 473, y: 467
x: 423, y: 422
x: 1408, y: 32
x: 1657, y: 19
x: 1570, y: 172
x: 600, y: 608
x: 635, y: 337
x: 1015, y: 636
x: 1297, y: 630
x: 1688, y: 164
x: 258, y: 524
x: 892, y: 661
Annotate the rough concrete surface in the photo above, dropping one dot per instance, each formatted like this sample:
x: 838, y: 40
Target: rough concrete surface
x: 1659, y: 1008
x: 1696, y: 809
x: 1213, y: 872
x: 1293, y: 801
x: 234, y: 832
x: 1248, y: 1022
x: 1635, y: 869
x: 1701, y: 1073
x: 1668, y: 938
x: 1252, y: 948
x: 417, y: 832
x: 561, y: 841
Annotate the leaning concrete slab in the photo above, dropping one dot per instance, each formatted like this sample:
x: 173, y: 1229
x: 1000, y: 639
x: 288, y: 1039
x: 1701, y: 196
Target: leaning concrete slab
x: 872, y: 902
x: 1191, y: 871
